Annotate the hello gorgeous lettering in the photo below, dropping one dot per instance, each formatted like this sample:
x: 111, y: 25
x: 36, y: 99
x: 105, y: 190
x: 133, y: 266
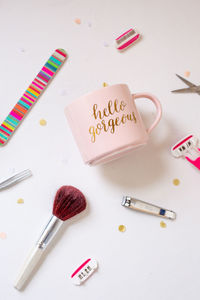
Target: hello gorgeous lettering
x: 107, y: 123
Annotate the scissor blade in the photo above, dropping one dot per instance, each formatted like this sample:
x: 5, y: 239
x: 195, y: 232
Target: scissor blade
x: 190, y: 84
x: 187, y: 90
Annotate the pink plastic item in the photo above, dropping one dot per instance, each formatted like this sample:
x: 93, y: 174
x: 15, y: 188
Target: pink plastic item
x: 85, y: 270
x: 188, y: 148
x: 106, y: 123
x: 126, y: 39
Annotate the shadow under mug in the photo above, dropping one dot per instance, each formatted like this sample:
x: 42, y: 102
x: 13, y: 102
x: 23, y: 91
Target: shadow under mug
x: 106, y: 123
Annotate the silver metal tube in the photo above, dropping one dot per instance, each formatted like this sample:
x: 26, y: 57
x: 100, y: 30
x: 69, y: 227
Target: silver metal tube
x: 15, y: 178
x: 49, y: 232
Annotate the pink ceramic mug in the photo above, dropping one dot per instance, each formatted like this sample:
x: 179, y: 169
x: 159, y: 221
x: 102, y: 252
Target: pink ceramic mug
x: 106, y: 123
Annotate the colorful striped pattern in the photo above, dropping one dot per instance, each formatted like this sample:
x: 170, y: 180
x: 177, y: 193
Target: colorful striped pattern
x: 31, y: 95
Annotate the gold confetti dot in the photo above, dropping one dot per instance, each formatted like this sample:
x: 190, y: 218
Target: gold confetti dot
x: 105, y: 84
x: 3, y: 235
x: 77, y: 21
x: 176, y: 181
x: 122, y: 228
x: 20, y: 201
x: 163, y: 224
x: 43, y: 122
x: 187, y: 73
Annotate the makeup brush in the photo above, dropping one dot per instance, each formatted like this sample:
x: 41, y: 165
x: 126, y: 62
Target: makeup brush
x: 68, y: 202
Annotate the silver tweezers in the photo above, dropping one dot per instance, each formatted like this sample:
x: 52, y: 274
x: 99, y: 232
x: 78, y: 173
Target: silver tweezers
x: 14, y: 179
x: 191, y: 89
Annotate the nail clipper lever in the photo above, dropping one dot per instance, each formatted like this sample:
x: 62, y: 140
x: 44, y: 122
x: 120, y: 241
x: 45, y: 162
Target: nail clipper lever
x: 147, y: 208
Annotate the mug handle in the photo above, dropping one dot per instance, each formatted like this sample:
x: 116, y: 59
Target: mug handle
x: 157, y: 104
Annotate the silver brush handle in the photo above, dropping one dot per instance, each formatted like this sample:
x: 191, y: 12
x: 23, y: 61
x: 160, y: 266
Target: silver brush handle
x: 49, y: 232
x: 46, y: 237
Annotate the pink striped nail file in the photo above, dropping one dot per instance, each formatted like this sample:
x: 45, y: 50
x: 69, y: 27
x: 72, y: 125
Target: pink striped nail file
x: 31, y: 95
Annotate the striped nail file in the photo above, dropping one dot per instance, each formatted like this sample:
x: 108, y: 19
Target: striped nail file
x: 31, y: 95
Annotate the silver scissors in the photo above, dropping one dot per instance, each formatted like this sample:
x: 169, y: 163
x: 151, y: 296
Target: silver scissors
x: 191, y: 89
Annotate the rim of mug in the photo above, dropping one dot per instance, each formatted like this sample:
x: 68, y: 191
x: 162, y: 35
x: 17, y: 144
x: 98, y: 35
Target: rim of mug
x: 90, y: 93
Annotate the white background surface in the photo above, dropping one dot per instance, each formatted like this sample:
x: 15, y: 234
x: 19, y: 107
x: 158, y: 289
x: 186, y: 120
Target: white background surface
x: 147, y: 261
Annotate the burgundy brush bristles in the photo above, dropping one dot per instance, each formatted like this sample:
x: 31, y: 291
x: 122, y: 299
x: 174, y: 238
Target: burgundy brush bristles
x: 68, y: 202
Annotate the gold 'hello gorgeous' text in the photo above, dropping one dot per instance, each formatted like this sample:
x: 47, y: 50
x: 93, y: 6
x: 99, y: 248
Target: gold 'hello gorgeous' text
x: 110, y: 124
